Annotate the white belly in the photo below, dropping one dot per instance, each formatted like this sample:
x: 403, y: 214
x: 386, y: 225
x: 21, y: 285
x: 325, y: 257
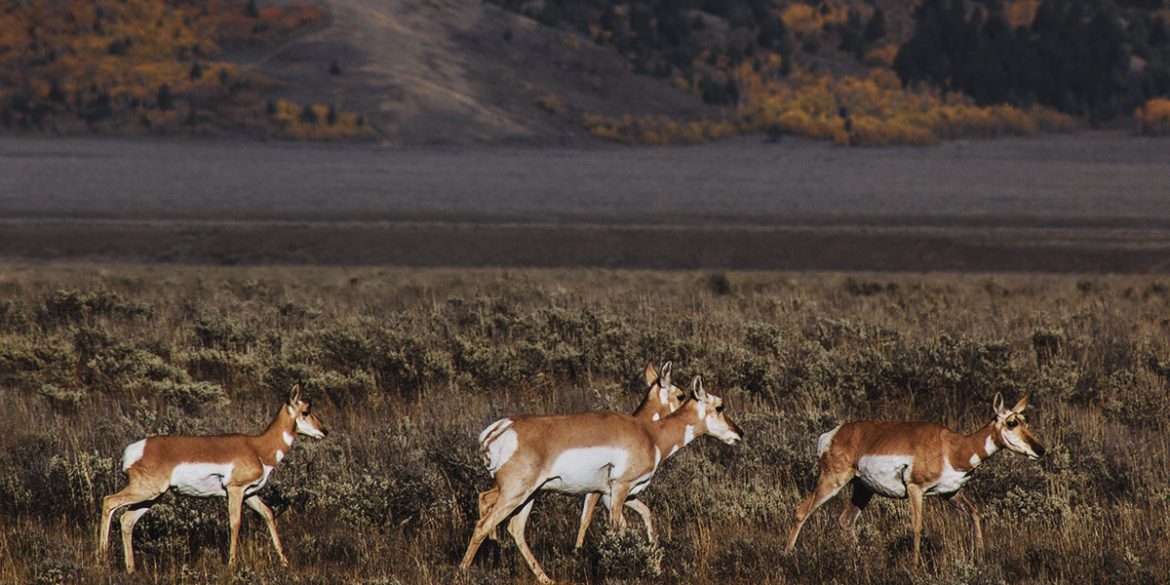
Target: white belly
x: 589, y: 469
x: 201, y: 479
x: 886, y: 475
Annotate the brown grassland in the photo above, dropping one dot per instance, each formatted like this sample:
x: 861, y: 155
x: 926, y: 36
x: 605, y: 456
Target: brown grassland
x: 407, y: 366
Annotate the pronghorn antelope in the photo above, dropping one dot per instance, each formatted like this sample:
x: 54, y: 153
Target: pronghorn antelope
x: 613, y: 454
x: 662, y: 398
x: 911, y: 460
x: 236, y: 466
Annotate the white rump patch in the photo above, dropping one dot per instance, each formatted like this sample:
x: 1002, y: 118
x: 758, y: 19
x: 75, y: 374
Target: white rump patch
x: 587, y: 469
x: 886, y: 474
x: 826, y: 440
x: 201, y: 479
x: 498, y: 443
x: 503, y: 422
x: 288, y: 439
x: 132, y: 454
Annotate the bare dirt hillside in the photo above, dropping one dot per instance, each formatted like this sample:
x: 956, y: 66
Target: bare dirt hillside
x: 462, y: 71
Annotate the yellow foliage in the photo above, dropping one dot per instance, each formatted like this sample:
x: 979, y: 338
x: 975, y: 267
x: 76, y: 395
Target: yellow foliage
x: 803, y: 18
x: 79, y: 65
x: 1154, y: 117
x: 875, y: 110
x: 800, y: 18
x: 1021, y: 12
x: 552, y: 104
x: 313, y: 123
x: 882, y: 56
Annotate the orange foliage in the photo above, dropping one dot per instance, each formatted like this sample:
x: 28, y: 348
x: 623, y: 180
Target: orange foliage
x: 874, y: 110
x: 882, y: 56
x: 136, y: 65
x: 552, y: 104
x: 316, y: 123
x: 656, y: 131
x: 1021, y: 12
x: 803, y: 18
x: 1154, y: 117
x: 877, y: 111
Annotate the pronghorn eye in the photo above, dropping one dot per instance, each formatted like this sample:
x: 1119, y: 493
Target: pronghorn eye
x: 1011, y: 424
x: 719, y: 408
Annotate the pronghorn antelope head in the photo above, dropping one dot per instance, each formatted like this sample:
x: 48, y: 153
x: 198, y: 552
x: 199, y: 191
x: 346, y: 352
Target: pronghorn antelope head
x: 709, y: 411
x: 668, y: 396
x: 307, y: 423
x: 1011, y: 429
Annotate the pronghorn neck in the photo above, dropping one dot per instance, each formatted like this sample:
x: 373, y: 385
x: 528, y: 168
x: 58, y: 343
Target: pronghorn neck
x: 657, y: 401
x: 979, y: 446
x: 678, y: 429
x: 278, y: 437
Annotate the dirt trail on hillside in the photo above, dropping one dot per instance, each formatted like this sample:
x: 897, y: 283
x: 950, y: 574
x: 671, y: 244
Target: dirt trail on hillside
x: 462, y: 71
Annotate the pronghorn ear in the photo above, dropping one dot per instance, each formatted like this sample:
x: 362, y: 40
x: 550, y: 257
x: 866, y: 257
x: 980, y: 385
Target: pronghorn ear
x: 664, y: 378
x: 998, y: 406
x: 294, y: 395
x: 697, y: 389
x: 651, y: 374
x: 1021, y: 405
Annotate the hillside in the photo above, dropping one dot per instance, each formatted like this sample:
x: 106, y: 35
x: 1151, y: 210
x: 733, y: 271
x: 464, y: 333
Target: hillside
x: 457, y: 71
x: 855, y: 72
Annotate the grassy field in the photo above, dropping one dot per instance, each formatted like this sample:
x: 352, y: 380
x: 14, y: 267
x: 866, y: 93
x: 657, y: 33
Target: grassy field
x: 407, y: 366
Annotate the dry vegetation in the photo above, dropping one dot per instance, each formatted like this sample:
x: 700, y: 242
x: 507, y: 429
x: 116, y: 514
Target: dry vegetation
x: 151, y: 67
x: 407, y: 366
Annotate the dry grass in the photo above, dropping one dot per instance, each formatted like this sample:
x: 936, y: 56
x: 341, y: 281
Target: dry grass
x: 407, y: 366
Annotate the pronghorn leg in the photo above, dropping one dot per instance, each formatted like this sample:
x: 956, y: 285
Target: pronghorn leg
x: 915, y: 493
x: 255, y: 503
x: 828, y: 484
x: 516, y: 528
x: 134, y: 493
x: 586, y: 517
x: 644, y: 511
x: 487, y: 500
x: 509, y: 498
x: 129, y: 519
x: 961, y: 501
x: 615, y: 500
x: 235, y: 497
x: 861, y: 497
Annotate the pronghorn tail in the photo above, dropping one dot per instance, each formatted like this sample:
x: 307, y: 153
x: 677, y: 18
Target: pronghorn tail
x: 497, y: 443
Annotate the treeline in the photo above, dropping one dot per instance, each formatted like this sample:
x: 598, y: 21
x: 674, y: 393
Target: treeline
x: 147, y: 66
x: 698, y: 42
x: 1094, y: 58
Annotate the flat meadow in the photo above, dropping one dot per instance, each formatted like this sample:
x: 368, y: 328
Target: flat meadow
x: 406, y: 366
